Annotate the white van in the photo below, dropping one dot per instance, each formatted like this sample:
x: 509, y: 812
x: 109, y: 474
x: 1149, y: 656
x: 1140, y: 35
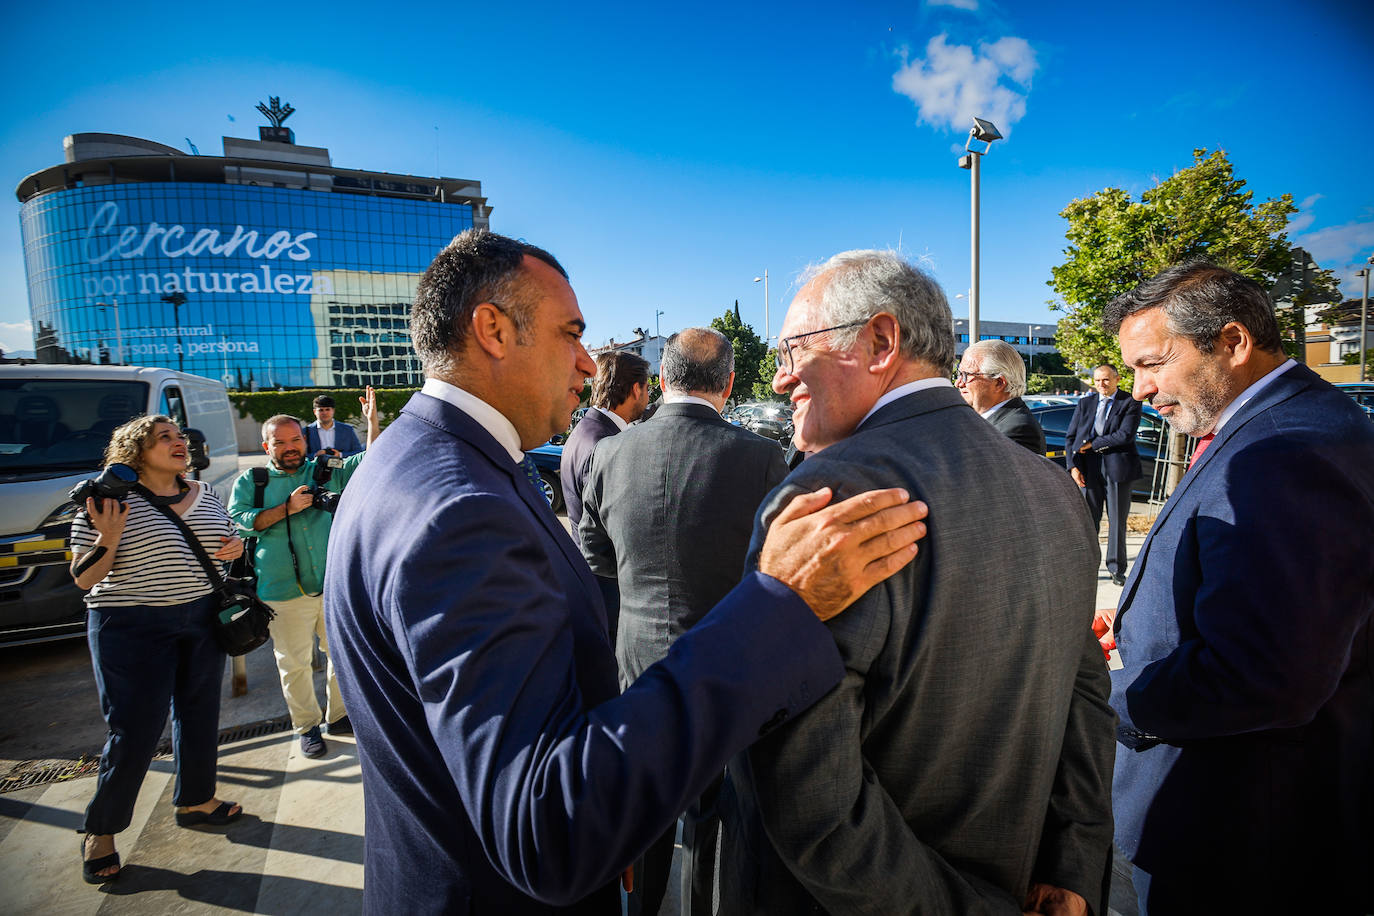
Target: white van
x: 55, y: 422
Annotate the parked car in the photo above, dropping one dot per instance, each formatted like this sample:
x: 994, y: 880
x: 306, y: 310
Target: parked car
x: 1363, y: 393
x: 548, y: 457
x: 55, y: 422
x: 769, y: 419
x: 1054, y: 419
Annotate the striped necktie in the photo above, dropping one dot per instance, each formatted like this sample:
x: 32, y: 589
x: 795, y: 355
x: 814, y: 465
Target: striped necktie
x: 532, y: 475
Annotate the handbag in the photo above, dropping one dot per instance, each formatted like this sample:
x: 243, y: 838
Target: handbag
x: 238, y: 617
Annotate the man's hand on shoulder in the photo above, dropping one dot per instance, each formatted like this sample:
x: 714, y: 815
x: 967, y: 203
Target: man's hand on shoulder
x: 831, y: 555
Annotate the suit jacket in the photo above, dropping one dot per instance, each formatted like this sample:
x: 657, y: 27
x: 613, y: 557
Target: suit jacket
x: 969, y: 748
x: 1247, y: 695
x: 345, y: 438
x: 503, y: 771
x: 1113, y: 455
x: 1015, y: 421
x: 669, y: 511
x: 577, y: 459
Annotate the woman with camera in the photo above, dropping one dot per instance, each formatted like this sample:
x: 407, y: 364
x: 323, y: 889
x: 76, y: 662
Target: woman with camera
x: 148, y: 624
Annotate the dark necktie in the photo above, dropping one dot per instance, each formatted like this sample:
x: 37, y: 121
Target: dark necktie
x: 1201, y: 447
x: 532, y: 475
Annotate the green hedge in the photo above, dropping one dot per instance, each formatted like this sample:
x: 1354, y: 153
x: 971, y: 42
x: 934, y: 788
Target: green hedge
x: 300, y: 403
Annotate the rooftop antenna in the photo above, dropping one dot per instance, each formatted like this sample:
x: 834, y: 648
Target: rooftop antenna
x: 194, y: 151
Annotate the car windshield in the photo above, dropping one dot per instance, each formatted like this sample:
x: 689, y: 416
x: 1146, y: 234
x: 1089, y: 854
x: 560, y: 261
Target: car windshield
x: 62, y: 424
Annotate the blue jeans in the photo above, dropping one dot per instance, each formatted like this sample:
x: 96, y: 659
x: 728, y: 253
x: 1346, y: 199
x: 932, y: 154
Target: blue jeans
x: 145, y: 659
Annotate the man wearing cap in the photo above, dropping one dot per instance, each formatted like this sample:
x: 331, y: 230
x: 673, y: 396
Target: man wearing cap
x: 325, y: 438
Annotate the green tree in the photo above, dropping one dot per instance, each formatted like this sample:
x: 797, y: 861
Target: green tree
x: 1353, y: 358
x: 768, y: 367
x: 749, y: 350
x: 1202, y: 211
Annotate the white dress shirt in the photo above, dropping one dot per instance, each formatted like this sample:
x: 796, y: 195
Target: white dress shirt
x: 488, y: 417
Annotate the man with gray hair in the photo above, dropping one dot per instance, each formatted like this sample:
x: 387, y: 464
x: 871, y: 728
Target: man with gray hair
x: 963, y: 764
x: 668, y: 509
x: 992, y: 379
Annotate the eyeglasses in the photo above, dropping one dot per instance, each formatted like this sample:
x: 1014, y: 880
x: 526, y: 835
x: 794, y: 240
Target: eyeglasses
x: 962, y: 377
x: 786, y: 345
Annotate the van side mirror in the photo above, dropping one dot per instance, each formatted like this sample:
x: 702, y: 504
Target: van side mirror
x: 195, y: 441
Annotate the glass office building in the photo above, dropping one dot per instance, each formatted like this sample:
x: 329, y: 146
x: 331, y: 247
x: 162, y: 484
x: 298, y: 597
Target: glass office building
x: 267, y: 266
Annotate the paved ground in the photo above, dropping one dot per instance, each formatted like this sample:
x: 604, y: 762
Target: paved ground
x: 298, y: 848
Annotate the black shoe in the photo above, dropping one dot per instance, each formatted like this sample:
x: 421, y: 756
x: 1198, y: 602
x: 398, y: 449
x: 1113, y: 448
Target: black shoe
x: 312, y: 745
x: 340, y: 726
x: 1118, y: 579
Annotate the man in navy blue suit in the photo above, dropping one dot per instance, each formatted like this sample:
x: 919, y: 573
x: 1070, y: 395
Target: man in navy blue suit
x: 326, y: 438
x: 1244, y: 774
x: 503, y: 770
x: 1101, y: 455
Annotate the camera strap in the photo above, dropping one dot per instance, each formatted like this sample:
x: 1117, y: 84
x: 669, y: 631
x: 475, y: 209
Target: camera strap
x: 211, y: 571
x: 291, y: 548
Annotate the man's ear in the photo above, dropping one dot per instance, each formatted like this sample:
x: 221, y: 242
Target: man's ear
x: 884, y: 341
x: 1237, y: 343
x: 492, y: 330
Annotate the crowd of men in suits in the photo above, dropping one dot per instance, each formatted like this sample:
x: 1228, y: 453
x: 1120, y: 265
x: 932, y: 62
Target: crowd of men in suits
x: 892, y: 646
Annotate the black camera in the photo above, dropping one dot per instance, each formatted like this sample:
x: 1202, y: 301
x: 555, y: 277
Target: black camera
x: 114, y: 482
x: 325, y: 500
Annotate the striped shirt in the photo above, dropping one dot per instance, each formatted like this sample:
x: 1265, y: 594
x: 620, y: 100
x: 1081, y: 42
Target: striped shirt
x: 153, y: 564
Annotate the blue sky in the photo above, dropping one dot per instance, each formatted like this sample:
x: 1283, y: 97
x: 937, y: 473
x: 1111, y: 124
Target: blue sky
x: 669, y: 155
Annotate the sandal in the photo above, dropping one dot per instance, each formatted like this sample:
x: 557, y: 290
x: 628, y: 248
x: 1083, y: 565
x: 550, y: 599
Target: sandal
x: 216, y: 818
x: 91, y: 868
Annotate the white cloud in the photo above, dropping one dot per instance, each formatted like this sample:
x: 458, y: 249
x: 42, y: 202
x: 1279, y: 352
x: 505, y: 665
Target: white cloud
x: 16, y: 335
x: 1343, y: 249
x: 970, y: 5
x: 1305, y: 216
x: 955, y: 83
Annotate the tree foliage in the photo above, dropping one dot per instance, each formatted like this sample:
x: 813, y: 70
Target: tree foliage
x: 749, y: 350
x: 1202, y: 211
x: 768, y: 367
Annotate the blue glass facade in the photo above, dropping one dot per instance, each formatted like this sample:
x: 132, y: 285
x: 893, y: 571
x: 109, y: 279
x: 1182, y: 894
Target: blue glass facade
x: 281, y: 286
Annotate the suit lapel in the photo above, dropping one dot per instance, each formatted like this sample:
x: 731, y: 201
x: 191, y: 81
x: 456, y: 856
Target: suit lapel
x: 444, y: 416
x: 1294, y: 381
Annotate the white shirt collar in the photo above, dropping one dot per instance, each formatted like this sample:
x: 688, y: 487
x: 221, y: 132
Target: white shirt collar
x: 619, y: 421
x: 673, y: 397
x: 902, y: 391
x: 488, y: 417
x: 1249, y: 393
x: 986, y: 414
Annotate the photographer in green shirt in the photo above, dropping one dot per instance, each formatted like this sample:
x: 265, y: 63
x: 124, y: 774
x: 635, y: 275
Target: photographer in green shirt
x: 287, y: 508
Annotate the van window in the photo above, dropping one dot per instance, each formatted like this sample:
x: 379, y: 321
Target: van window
x: 62, y: 424
x: 173, y: 405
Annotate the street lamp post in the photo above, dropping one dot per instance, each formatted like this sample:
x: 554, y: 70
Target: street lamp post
x: 981, y: 132
x: 764, y: 281
x: 657, y: 315
x: 177, y: 299
x: 119, y: 333
x: 1364, y: 318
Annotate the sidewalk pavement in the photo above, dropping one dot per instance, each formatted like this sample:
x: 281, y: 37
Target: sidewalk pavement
x: 297, y: 848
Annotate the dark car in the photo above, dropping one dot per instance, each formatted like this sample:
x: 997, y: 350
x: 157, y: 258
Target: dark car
x: 767, y: 418
x: 547, y: 459
x: 1149, y: 438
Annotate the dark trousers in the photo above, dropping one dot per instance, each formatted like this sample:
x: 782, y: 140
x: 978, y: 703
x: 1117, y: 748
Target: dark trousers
x: 147, y: 659
x: 1116, y: 497
x: 700, y: 832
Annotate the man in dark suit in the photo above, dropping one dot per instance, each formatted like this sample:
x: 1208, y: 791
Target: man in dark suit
x: 327, y: 438
x: 669, y: 511
x: 1101, y: 455
x: 1245, y: 777
x: 963, y: 765
x: 992, y: 379
x: 503, y: 769
x: 620, y: 393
